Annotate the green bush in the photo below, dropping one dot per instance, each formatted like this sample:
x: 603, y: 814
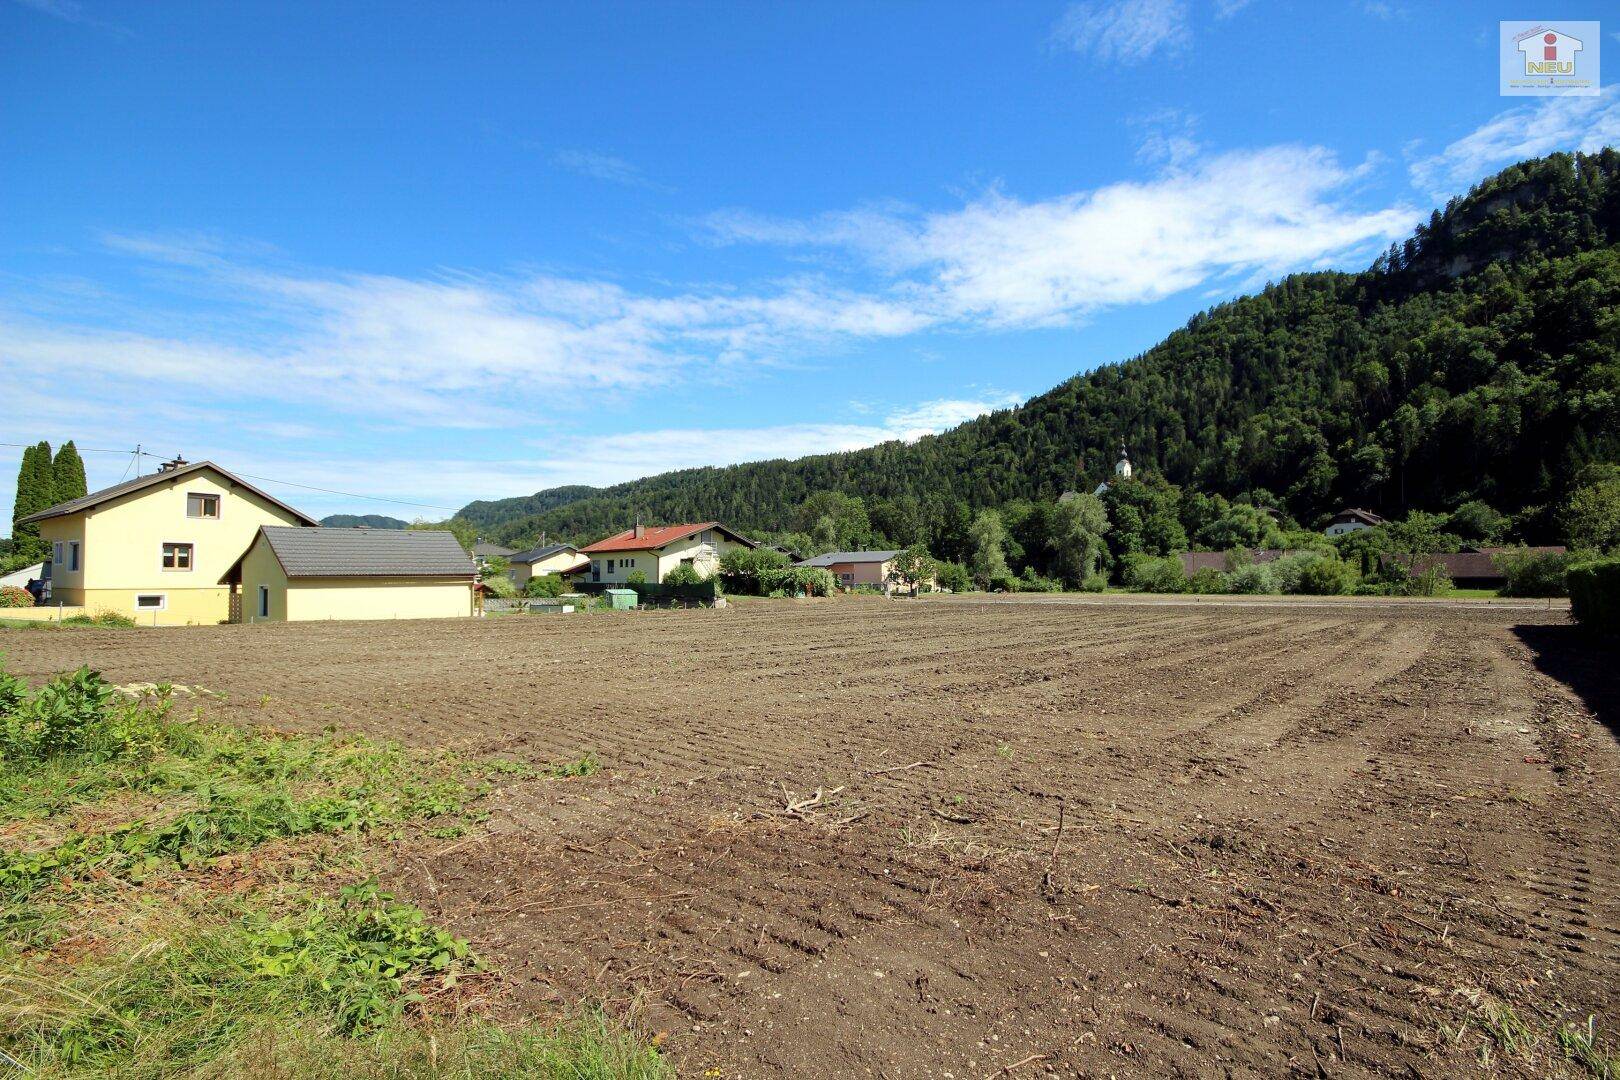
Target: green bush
x: 953, y: 576
x: 683, y: 574
x: 1594, y: 594
x: 1144, y: 573
x: 1207, y: 581
x: 1030, y: 581
x: 1252, y: 579
x: 1287, y: 570
x: 1531, y: 574
x: 501, y: 587
x: 1326, y: 577
x: 545, y: 585
x: 752, y: 571
x: 1094, y: 583
x: 13, y: 596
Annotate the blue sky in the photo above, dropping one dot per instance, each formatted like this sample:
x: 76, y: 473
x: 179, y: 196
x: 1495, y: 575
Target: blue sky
x: 441, y: 252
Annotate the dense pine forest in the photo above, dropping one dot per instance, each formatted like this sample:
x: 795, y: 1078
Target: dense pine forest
x: 1478, y: 362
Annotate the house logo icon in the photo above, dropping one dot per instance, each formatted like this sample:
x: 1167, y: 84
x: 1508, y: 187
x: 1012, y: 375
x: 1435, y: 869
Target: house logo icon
x: 1549, y: 53
x: 1551, y: 59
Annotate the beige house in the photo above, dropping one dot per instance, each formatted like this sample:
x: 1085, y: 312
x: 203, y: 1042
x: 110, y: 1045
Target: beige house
x: 874, y: 569
x: 306, y: 574
x: 157, y: 547
x: 544, y: 560
x: 655, y: 550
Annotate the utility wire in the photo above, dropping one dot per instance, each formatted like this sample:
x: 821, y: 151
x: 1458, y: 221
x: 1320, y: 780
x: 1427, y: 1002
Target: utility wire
x: 139, y: 453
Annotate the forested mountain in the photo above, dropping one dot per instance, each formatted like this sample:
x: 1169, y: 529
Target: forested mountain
x: 369, y: 521
x: 1480, y: 360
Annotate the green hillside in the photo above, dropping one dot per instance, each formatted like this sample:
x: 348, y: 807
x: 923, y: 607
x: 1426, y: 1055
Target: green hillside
x: 1478, y: 361
x: 369, y: 521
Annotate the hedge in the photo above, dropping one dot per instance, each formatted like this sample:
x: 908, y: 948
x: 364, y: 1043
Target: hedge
x: 1594, y: 594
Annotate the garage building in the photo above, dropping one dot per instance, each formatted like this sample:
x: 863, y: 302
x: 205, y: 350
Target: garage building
x: 306, y: 574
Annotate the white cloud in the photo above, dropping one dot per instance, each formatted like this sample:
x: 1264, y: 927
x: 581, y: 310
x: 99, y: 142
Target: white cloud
x: 1225, y: 9
x: 452, y: 482
x: 1548, y: 125
x: 71, y: 11
x: 1127, y: 31
x: 1000, y: 262
x: 602, y: 166
x: 1166, y: 137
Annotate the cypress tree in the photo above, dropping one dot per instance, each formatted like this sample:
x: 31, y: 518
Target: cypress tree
x: 67, y: 474
x: 35, y: 486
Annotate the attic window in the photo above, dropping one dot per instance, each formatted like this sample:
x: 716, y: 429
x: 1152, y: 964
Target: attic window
x: 202, y: 506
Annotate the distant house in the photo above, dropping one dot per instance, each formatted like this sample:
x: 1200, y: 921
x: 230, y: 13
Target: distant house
x: 655, y: 550
x: 308, y: 574
x: 157, y: 547
x: 1352, y: 519
x: 1473, y: 568
x: 853, y: 568
x: 483, y: 551
x: 547, y: 559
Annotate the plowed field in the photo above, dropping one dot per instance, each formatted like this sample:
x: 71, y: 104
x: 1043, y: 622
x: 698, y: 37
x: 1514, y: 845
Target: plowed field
x: 920, y: 839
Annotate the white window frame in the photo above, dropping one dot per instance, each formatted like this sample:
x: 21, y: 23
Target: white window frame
x: 191, y: 556
x: 219, y: 506
x: 161, y: 605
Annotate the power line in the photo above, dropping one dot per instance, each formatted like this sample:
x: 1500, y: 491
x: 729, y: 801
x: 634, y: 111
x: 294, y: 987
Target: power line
x: 138, y: 453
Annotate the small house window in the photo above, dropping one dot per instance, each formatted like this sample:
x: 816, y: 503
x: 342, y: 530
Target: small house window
x: 151, y: 601
x: 177, y: 556
x: 73, y: 556
x: 56, y: 553
x: 202, y: 506
x: 264, y: 601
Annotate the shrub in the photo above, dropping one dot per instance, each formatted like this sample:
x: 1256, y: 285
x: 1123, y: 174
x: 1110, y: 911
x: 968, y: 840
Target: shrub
x: 684, y: 574
x: 1594, y: 594
x: 1003, y: 581
x: 1252, y: 579
x: 1207, y: 581
x: 1326, y: 577
x: 1030, y: 581
x: 1094, y: 583
x: 545, y: 585
x: 501, y: 587
x: 13, y: 596
x: 1532, y: 574
x: 953, y: 576
x: 1144, y: 573
x: 1432, y: 582
x: 746, y: 571
x: 634, y: 578
x: 1287, y: 569
x: 112, y: 618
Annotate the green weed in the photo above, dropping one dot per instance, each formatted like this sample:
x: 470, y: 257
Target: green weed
x: 585, y: 765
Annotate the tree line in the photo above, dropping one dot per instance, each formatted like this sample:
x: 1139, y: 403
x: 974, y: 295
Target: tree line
x: 1479, y: 361
x: 43, y: 480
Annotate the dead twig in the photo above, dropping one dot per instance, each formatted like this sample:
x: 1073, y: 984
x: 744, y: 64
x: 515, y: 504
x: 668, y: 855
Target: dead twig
x: 1048, y: 886
x: 903, y: 768
x: 797, y: 807
x: 1007, y: 1070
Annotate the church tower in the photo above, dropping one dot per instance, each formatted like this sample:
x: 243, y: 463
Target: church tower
x: 1122, y: 467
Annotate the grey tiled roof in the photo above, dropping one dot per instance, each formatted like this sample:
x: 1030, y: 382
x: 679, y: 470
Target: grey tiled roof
x: 367, y: 552
x: 536, y: 554
x: 486, y: 550
x: 850, y: 556
x: 95, y: 498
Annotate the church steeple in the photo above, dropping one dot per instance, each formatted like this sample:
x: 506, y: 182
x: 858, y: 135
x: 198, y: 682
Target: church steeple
x: 1122, y: 467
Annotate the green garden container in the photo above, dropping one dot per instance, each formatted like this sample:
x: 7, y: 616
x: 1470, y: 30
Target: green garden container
x: 622, y: 599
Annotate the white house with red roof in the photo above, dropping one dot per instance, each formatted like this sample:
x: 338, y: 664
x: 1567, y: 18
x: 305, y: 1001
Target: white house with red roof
x: 655, y: 550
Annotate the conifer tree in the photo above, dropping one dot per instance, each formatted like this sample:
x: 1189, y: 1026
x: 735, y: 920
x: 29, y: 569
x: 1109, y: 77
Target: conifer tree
x: 35, y: 486
x: 67, y: 474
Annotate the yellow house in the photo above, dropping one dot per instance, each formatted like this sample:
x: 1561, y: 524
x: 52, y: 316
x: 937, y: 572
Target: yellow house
x: 655, y: 550
x: 304, y: 574
x: 547, y: 559
x: 157, y: 547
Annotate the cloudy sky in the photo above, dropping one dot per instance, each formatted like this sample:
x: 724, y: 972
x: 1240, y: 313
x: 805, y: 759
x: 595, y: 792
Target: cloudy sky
x: 432, y: 253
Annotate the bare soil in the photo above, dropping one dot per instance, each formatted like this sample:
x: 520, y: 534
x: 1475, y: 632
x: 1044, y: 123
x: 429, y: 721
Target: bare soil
x: 910, y: 839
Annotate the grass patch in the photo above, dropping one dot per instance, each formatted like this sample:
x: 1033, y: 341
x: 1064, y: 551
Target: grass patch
x: 584, y: 765
x: 170, y: 904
